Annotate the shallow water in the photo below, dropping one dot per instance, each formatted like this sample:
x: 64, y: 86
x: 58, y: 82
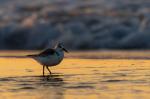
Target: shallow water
x: 75, y: 79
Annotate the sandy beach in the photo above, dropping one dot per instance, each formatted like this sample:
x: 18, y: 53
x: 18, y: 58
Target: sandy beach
x: 108, y: 43
x: 21, y: 78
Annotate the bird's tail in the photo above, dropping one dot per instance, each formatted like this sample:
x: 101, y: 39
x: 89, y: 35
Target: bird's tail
x: 31, y: 56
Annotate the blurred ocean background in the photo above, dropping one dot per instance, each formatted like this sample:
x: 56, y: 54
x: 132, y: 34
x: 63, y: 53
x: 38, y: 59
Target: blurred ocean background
x: 79, y: 24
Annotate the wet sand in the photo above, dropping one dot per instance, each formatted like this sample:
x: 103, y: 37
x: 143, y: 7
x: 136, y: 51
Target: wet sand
x: 21, y: 78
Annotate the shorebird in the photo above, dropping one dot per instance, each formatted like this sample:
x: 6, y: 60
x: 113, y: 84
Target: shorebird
x: 50, y: 57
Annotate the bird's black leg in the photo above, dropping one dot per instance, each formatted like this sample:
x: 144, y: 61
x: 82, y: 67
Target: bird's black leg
x: 48, y: 70
x: 43, y: 69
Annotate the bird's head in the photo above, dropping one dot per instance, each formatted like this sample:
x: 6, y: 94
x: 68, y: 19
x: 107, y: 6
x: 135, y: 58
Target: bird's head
x: 61, y: 46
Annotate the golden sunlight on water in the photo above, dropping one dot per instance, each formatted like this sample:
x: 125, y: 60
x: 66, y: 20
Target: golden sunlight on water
x: 21, y: 78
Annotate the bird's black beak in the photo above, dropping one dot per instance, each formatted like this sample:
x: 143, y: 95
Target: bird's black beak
x: 65, y: 50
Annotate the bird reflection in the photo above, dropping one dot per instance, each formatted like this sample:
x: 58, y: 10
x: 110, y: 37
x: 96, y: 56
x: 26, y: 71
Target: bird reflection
x: 53, y: 78
x: 52, y: 87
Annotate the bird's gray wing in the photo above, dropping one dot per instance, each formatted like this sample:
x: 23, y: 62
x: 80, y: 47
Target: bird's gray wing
x: 47, y: 52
